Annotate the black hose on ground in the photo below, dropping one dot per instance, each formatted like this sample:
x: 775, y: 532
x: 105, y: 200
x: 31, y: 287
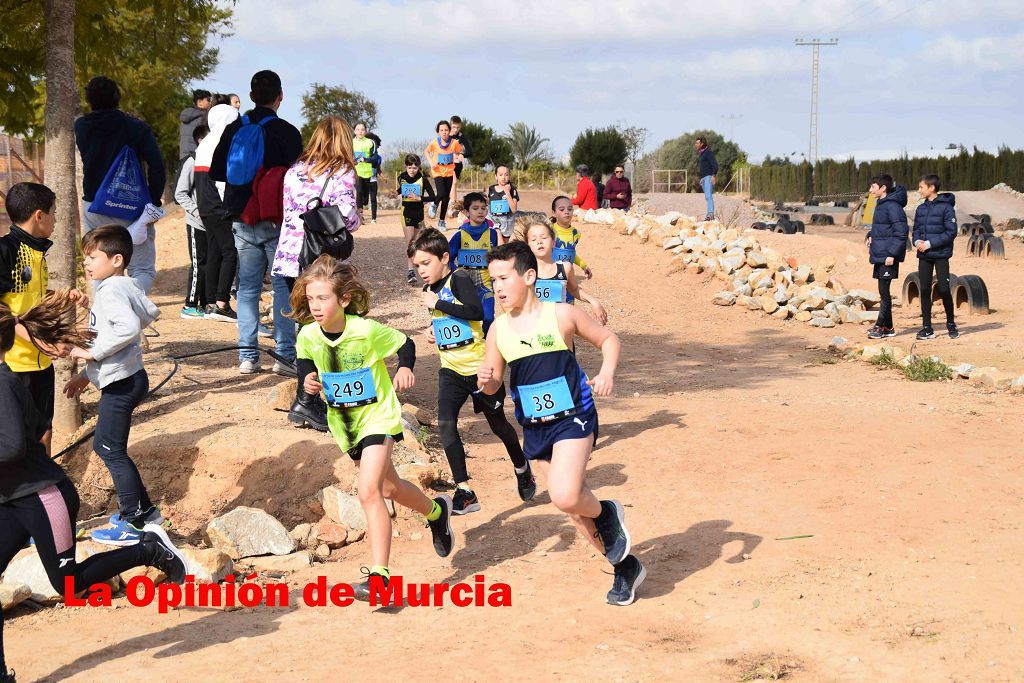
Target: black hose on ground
x: 174, y: 360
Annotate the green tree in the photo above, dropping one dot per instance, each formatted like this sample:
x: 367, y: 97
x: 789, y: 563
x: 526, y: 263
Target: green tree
x: 599, y: 148
x: 489, y: 149
x: 680, y: 153
x: 154, y: 49
x: 527, y: 145
x: 323, y: 100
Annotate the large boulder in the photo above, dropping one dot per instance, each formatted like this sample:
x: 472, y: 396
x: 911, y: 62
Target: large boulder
x: 208, y: 565
x: 342, y: 507
x: 13, y: 594
x: 245, y: 532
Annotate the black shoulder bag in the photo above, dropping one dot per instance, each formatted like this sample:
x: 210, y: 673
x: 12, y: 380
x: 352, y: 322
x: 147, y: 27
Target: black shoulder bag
x: 325, y: 230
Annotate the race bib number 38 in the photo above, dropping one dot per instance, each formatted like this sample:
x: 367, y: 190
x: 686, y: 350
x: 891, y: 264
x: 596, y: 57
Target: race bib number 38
x: 451, y: 333
x: 349, y: 389
x: 547, y: 401
x: 473, y: 258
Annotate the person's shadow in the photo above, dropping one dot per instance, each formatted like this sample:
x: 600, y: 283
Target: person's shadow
x: 216, y: 628
x: 673, y: 558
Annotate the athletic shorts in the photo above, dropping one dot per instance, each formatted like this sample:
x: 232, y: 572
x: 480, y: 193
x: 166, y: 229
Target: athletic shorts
x: 356, y: 452
x: 458, y: 171
x: 452, y: 386
x: 539, y: 440
x: 884, y: 272
x: 506, y: 224
x: 412, y: 215
x: 40, y: 385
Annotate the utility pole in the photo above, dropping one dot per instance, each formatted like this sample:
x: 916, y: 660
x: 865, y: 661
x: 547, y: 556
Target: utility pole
x: 731, y: 118
x: 815, y: 43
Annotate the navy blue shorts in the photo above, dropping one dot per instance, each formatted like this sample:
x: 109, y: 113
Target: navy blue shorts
x: 539, y: 440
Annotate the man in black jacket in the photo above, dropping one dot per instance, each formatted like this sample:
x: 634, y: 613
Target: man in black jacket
x: 708, y: 170
x: 101, y: 135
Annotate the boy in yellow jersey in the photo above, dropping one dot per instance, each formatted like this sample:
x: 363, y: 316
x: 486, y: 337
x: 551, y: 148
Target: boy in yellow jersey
x: 554, y: 401
x: 457, y: 329
x: 32, y: 208
x: 566, y: 236
x: 414, y: 187
x: 469, y: 246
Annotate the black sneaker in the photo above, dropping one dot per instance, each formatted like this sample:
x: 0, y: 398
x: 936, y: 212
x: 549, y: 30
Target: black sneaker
x: 363, y: 589
x: 880, y: 332
x: 411, y: 277
x: 888, y: 331
x: 166, y: 556
x: 611, y: 527
x: 629, y: 574
x: 926, y: 333
x: 441, y: 528
x: 214, y: 312
x: 463, y: 502
x: 953, y: 331
x: 526, y: 483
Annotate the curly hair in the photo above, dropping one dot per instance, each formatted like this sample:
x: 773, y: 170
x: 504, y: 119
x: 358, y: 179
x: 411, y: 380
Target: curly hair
x: 344, y: 281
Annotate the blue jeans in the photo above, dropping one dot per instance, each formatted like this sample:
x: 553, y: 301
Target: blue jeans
x: 705, y: 184
x: 256, y: 245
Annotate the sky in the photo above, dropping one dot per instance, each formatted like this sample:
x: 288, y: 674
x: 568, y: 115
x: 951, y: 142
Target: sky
x: 907, y: 76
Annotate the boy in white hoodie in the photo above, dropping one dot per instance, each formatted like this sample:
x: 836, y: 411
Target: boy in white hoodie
x: 120, y: 312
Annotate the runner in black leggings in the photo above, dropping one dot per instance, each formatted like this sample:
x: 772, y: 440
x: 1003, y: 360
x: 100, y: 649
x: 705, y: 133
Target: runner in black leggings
x: 37, y: 500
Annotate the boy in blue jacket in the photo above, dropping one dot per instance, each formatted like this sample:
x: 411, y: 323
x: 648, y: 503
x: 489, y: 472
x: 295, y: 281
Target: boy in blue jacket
x: 887, y: 245
x: 934, y: 232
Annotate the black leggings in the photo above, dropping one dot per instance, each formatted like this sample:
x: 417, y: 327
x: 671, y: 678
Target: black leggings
x: 885, y: 307
x: 366, y: 193
x: 118, y: 400
x: 48, y: 516
x: 221, y: 258
x: 444, y: 189
x: 924, y: 273
x: 195, y: 294
x: 452, y: 391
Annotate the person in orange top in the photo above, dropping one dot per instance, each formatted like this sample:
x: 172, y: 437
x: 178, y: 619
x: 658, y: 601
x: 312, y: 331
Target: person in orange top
x: 586, y: 193
x: 443, y: 152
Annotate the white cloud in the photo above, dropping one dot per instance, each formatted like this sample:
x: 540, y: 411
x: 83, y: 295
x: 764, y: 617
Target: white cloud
x: 986, y: 54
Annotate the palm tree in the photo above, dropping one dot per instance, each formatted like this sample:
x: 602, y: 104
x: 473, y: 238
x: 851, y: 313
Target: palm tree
x: 527, y: 145
x: 61, y: 105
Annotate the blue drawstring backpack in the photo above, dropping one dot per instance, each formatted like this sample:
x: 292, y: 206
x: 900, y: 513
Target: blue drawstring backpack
x: 245, y: 156
x: 123, y: 193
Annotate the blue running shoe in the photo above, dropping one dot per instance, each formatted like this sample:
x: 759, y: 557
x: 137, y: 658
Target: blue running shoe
x: 120, y: 535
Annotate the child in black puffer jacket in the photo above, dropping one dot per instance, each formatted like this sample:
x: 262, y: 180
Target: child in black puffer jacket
x: 887, y: 245
x: 934, y: 232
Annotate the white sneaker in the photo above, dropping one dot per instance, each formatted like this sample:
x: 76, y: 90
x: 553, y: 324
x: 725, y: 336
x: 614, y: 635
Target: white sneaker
x: 249, y: 367
x: 282, y: 369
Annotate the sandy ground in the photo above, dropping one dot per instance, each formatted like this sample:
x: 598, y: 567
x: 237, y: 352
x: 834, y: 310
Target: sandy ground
x: 728, y: 434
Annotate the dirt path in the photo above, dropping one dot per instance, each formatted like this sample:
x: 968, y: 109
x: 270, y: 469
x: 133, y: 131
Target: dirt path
x: 727, y: 433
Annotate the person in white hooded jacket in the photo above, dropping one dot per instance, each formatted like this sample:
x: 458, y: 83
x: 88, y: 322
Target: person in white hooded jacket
x: 120, y: 311
x: 221, y: 254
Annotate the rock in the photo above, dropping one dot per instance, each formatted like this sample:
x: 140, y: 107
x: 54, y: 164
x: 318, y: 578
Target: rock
x: 812, y: 303
x: 342, y: 507
x: 12, y: 594
x: 322, y: 552
x: 838, y: 344
x: 334, y: 535
x: 768, y: 303
x: 836, y: 285
x: 245, y: 532
x: 724, y: 299
x: 867, y: 296
x: 871, y: 351
x: 422, y: 415
x: 390, y: 505
x: 422, y: 475
x: 868, y: 316
x: 27, y: 569
x: 826, y: 263
x: 991, y: 377
x: 848, y: 315
x: 743, y: 290
x: 209, y: 565
x: 151, y: 573
x: 781, y: 314
x: 833, y: 312
x: 820, y: 314
x: 822, y: 322
x: 301, y: 532
x: 1018, y: 384
x: 695, y: 243
x: 781, y: 297
x: 356, y: 535
x: 280, y: 563
x: 671, y: 243
x: 907, y: 361
x: 749, y: 302
x: 801, y: 275
x: 802, y: 316
x: 669, y: 219
x: 963, y: 370
x: 756, y: 259
x: 282, y: 396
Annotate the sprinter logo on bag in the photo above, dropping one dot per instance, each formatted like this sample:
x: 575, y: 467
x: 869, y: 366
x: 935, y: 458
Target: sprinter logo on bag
x: 245, y: 156
x: 123, y: 193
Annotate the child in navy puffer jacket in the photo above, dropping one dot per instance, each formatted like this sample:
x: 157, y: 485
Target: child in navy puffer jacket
x: 934, y: 232
x: 887, y: 244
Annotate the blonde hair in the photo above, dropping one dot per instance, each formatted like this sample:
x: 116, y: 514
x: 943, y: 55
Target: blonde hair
x: 329, y: 148
x: 49, y: 322
x: 538, y: 224
x: 344, y: 281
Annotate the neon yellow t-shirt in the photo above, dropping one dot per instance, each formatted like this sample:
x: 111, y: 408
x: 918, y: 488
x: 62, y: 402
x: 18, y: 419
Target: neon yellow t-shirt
x: 355, y: 359
x: 363, y: 150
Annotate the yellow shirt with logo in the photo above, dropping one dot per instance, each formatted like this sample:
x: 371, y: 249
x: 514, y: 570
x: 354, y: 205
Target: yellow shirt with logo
x: 25, y: 280
x: 464, y: 359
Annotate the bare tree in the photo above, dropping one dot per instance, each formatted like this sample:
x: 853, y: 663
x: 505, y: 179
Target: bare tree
x: 61, y: 104
x: 636, y: 140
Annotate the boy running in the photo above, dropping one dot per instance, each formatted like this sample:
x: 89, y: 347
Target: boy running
x: 503, y: 201
x: 469, y: 246
x: 554, y: 402
x: 457, y: 329
x: 413, y: 186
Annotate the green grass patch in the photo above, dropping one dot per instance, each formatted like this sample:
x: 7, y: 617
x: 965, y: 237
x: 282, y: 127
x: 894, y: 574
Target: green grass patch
x: 886, y: 361
x: 927, y: 370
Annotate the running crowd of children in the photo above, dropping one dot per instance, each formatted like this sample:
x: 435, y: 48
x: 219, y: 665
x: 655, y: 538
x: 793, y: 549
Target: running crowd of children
x: 496, y: 299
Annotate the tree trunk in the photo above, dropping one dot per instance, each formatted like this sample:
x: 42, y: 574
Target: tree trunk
x: 61, y: 105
